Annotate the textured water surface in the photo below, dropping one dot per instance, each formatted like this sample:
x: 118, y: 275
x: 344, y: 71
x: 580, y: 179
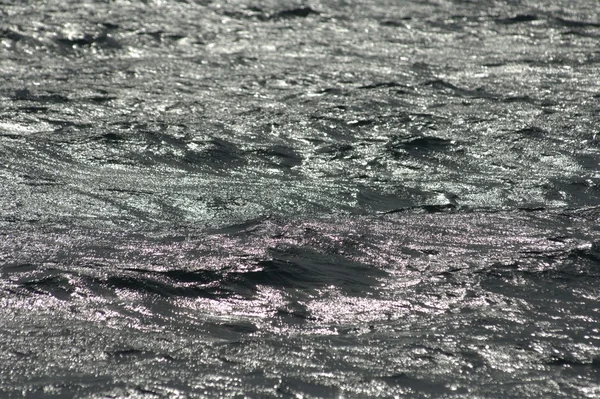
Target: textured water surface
x: 286, y: 199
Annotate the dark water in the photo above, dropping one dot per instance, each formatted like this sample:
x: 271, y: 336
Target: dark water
x: 338, y: 199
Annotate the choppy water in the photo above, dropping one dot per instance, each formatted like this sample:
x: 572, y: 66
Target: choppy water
x: 283, y: 199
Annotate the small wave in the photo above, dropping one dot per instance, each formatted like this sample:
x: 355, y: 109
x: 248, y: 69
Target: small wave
x: 517, y: 19
x: 300, y: 12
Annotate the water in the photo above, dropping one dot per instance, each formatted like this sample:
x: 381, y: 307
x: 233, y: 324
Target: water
x: 285, y: 199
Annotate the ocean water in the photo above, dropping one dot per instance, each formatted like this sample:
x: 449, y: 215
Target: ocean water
x: 322, y: 199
